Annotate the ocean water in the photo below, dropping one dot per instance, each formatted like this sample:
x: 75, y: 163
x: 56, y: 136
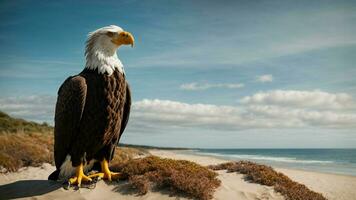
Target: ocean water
x: 338, y: 161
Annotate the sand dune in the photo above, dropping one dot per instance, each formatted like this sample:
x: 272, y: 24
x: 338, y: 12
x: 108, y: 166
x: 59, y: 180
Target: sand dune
x: 31, y: 183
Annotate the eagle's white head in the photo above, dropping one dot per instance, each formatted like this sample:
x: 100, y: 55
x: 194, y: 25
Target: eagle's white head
x: 101, y: 46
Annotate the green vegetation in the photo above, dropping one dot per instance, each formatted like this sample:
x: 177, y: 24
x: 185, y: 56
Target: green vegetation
x: 265, y: 175
x: 178, y: 176
x: 13, y: 125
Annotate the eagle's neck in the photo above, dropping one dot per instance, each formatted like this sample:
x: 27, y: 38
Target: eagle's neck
x: 103, y: 57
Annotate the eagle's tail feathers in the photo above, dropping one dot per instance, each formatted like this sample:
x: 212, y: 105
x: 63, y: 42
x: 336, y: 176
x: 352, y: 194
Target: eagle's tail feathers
x: 54, y: 176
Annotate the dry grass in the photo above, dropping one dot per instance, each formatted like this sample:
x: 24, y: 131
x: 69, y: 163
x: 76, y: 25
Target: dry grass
x: 33, y: 149
x: 21, y: 150
x: 267, y: 176
x: 178, y: 176
x: 24, y: 143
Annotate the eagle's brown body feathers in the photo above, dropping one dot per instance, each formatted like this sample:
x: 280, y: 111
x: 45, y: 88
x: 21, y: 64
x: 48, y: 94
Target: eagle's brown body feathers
x: 91, y: 114
x: 92, y: 109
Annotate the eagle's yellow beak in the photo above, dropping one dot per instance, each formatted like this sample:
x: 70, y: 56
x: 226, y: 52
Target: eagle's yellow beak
x: 124, y: 38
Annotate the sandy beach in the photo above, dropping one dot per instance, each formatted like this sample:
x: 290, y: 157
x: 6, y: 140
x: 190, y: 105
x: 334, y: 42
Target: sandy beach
x: 32, y: 183
x: 332, y: 186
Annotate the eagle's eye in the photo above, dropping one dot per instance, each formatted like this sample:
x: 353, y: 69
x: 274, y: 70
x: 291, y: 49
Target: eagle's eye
x: 110, y: 34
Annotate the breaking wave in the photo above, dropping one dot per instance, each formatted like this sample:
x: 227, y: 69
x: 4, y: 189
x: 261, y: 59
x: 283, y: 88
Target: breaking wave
x: 266, y: 158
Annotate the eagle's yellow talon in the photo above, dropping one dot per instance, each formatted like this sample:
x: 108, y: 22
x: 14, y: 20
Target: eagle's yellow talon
x: 105, y: 172
x: 100, y: 174
x: 79, y: 176
x: 73, y: 180
x: 114, y: 175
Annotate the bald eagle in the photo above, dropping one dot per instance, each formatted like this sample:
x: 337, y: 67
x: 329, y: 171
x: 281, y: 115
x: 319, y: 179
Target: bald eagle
x: 92, y: 109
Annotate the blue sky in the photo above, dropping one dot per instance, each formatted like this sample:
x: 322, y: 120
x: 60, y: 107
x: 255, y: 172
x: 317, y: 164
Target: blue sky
x: 233, y: 74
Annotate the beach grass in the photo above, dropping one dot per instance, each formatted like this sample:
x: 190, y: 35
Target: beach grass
x: 266, y: 175
x: 19, y: 150
x: 178, y: 176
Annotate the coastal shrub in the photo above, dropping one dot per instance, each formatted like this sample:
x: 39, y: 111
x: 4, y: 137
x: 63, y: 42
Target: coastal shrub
x: 178, y: 176
x: 265, y: 175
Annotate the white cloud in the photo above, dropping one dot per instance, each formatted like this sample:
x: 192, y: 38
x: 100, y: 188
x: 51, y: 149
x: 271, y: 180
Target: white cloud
x: 314, y: 99
x: 264, y: 78
x: 302, y: 117
x: 205, y: 86
x: 264, y: 110
x: 173, y: 113
x: 34, y: 108
x: 163, y: 113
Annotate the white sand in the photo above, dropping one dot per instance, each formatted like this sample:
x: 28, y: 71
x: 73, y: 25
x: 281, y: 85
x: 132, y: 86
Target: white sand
x: 332, y: 186
x: 31, y: 183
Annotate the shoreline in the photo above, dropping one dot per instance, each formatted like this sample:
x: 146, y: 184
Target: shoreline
x: 191, y: 152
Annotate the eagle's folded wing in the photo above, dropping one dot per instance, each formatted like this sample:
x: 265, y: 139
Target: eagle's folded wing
x: 69, y: 110
x: 127, y: 108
